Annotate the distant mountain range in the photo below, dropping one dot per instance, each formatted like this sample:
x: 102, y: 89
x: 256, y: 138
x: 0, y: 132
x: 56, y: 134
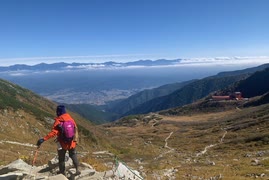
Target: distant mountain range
x: 76, y: 66
x: 65, y: 63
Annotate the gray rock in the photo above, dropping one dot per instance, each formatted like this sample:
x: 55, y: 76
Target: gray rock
x: 255, y: 162
x: 53, y: 163
x: 86, y: 165
x: 11, y: 176
x: 18, y: 165
x: 58, y: 177
x: 84, y: 173
x: 109, y: 174
x: 21, y: 170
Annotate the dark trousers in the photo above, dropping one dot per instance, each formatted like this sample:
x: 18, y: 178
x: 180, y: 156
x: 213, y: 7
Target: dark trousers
x: 72, y: 155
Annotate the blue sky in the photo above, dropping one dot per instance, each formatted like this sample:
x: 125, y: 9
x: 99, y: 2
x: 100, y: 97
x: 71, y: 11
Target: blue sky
x: 33, y: 31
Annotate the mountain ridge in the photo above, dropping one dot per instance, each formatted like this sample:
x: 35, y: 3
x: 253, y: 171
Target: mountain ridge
x: 146, y: 95
x: 69, y: 66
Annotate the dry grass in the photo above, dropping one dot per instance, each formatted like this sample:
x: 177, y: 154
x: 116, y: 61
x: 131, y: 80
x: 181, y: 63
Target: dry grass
x: 198, y: 117
x: 246, y: 134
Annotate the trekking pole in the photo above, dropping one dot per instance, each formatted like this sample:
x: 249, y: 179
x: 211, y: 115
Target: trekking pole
x: 35, y: 156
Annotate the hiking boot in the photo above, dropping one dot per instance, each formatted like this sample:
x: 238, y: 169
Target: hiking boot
x: 59, y: 172
x: 77, y: 173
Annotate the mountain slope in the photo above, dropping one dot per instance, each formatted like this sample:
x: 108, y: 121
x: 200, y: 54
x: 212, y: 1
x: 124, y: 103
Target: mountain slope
x: 255, y: 85
x: 25, y: 117
x: 195, y: 90
x: 15, y: 97
x: 133, y: 101
x: 187, y: 94
x: 91, y: 112
x: 254, y: 88
x: 244, y: 71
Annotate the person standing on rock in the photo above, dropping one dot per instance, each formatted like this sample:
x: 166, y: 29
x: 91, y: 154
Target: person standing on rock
x: 66, y: 130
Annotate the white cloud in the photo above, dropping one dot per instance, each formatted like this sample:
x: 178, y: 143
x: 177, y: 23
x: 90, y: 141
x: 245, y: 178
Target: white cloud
x: 227, y: 61
x: 17, y: 74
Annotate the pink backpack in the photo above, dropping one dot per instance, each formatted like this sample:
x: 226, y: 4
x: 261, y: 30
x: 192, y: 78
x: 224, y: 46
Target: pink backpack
x: 67, y: 130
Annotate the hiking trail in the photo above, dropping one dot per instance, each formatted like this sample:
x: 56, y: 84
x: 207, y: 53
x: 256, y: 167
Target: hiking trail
x: 166, y: 143
x: 18, y: 143
x: 166, y: 146
x: 211, y: 145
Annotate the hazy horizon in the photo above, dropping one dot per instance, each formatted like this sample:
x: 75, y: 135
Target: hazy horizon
x: 224, y: 61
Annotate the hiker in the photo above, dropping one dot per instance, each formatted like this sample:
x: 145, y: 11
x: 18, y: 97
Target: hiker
x: 62, y: 122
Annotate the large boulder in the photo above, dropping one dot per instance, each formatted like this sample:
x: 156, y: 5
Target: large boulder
x: 18, y: 165
x: 16, y: 170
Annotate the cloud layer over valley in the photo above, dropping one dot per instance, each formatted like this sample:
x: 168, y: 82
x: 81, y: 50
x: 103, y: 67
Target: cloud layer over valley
x: 82, y: 63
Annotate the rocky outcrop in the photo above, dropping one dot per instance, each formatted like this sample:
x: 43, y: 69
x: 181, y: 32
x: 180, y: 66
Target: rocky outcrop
x: 23, y: 171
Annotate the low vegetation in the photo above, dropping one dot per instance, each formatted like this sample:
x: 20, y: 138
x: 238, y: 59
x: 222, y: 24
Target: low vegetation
x: 230, y: 143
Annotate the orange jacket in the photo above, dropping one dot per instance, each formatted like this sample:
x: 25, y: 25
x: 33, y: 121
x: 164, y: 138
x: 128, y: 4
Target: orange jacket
x: 55, y: 131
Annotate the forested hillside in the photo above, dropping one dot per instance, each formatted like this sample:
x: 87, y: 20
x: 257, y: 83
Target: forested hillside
x: 187, y: 94
x: 95, y: 114
x: 133, y: 101
x: 255, y: 85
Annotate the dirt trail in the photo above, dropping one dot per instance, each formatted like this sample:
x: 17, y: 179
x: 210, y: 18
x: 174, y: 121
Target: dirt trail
x: 166, y: 143
x: 166, y: 146
x: 223, y: 136
x: 211, y: 145
x: 18, y: 143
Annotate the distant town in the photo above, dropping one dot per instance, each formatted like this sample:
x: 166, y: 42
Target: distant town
x: 91, y: 97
